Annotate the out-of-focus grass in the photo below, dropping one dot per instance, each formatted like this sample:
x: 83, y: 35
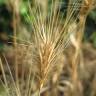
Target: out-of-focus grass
x: 2, y: 91
x: 46, y: 49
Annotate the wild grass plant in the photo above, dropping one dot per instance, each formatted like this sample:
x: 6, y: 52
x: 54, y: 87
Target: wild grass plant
x: 37, y: 60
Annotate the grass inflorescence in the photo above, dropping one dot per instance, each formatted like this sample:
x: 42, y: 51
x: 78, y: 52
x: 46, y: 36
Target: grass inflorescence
x: 38, y: 59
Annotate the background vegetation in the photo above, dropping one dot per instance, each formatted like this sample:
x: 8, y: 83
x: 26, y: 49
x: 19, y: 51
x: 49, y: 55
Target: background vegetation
x: 20, y: 16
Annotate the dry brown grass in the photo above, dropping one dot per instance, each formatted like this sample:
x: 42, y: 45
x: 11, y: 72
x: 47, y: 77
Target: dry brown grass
x: 41, y: 63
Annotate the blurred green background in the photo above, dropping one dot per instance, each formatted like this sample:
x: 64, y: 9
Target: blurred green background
x: 6, y: 22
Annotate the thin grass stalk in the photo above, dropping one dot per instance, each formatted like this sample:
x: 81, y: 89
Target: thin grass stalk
x: 15, y: 22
